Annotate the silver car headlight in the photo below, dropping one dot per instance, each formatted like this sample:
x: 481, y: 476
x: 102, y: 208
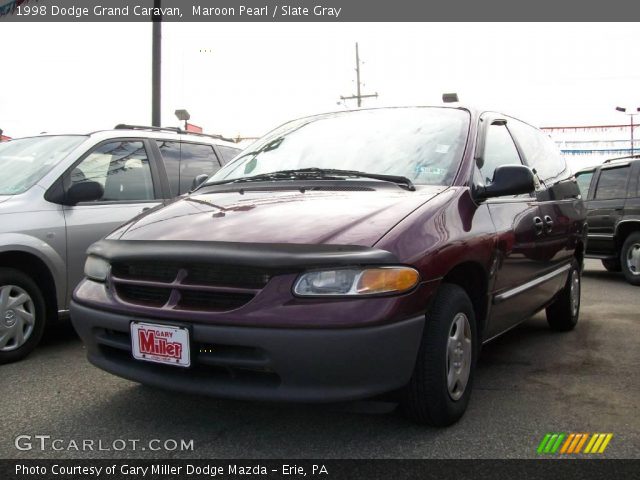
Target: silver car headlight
x: 96, y: 268
x: 356, y: 281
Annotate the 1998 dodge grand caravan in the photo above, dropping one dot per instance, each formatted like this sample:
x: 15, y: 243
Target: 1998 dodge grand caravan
x: 342, y: 256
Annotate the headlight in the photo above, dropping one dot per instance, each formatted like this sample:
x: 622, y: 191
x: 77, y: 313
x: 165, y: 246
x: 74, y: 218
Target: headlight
x: 96, y: 268
x: 356, y: 281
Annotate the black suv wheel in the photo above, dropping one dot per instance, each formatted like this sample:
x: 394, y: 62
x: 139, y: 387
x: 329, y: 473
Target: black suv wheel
x: 630, y: 258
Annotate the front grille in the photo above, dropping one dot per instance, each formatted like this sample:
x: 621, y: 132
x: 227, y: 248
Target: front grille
x: 196, y: 274
x: 152, y: 296
x: 196, y: 300
x: 236, y: 276
x: 176, y: 286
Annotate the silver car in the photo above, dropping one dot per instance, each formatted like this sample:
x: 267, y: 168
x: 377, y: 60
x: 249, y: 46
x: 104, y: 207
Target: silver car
x: 61, y: 193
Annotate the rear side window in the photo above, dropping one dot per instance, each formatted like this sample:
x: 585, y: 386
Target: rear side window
x: 227, y: 153
x: 171, y: 157
x: 584, y: 182
x: 185, y: 161
x: 612, y: 183
x: 196, y: 159
x: 539, y: 150
x: 499, y: 150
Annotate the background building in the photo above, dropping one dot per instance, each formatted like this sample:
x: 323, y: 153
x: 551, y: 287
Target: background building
x: 583, y: 146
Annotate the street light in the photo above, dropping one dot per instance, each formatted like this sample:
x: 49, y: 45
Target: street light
x: 183, y: 115
x: 631, y: 115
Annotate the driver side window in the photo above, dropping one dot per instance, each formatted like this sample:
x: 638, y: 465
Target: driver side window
x: 499, y: 150
x: 121, y: 168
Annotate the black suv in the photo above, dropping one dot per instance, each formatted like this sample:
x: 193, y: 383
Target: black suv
x: 612, y: 195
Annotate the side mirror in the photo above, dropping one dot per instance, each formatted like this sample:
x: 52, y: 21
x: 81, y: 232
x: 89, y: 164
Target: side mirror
x: 508, y: 180
x: 199, y: 180
x: 87, y: 191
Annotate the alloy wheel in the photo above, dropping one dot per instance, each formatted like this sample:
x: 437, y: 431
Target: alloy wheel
x: 17, y: 317
x: 633, y: 259
x: 458, y: 356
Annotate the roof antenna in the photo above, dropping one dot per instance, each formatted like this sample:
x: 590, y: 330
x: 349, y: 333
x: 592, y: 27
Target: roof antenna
x: 450, y: 98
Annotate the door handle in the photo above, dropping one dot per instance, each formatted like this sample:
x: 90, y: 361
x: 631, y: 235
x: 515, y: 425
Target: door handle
x: 145, y: 209
x: 538, y: 225
x: 548, y: 223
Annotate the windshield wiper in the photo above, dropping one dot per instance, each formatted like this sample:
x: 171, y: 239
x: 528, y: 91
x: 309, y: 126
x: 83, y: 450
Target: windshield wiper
x: 319, y: 174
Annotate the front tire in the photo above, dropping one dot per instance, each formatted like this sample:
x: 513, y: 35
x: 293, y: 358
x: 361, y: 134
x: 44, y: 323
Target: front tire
x: 630, y: 258
x: 22, y: 315
x: 440, y: 387
x: 563, y: 313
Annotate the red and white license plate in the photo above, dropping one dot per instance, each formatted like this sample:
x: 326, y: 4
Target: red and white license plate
x: 160, y: 343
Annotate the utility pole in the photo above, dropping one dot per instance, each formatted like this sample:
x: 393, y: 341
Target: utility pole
x: 358, y: 96
x: 631, y: 115
x: 156, y: 67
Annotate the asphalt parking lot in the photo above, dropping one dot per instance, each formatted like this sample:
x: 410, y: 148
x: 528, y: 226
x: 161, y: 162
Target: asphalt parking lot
x: 529, y: 382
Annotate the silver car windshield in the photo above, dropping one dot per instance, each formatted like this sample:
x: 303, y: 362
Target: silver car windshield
x: 423, y: 144
x: 24, y: 161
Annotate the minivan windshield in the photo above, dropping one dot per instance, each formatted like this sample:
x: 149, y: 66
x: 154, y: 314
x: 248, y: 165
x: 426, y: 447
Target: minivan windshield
x: 24, y: 161
x: 423, y: 144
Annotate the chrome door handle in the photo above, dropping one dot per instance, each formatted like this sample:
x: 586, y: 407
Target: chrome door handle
x: 538, y: 225
x: 548, y: 223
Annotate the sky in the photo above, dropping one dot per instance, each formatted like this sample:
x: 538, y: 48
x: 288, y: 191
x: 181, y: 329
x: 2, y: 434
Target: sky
x: 244, y: 79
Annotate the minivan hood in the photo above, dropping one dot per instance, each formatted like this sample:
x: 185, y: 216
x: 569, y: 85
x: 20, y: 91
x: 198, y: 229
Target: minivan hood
x: 290, y: 216
x: 4, y: 198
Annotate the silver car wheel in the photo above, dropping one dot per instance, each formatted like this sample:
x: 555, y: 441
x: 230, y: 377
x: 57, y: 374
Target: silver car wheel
x: 458, y: 356
x: 575, y: 292
x: 633, y: 259
x: 17, y: 317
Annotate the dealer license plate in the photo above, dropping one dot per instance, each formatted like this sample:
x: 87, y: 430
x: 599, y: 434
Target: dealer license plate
x: 160, y: 344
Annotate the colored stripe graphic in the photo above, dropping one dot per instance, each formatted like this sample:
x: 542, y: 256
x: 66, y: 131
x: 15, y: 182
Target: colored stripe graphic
x: 551, y: 442
x: 606, y: 442
x: 567, y: 443
x: 543, y: 443
x: 584, y: 439
x: 572, y: 443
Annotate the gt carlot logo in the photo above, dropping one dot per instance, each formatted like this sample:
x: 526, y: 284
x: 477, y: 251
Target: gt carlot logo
x: 573, y: 443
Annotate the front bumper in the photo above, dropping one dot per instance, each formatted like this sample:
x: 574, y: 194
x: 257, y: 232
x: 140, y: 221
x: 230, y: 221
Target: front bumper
x: 308, y: 365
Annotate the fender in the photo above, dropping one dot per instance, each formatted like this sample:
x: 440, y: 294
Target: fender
x: 628, y: 220
x: 19, y: 242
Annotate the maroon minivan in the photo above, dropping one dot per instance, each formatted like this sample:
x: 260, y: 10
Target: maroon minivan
x: 343, y: 256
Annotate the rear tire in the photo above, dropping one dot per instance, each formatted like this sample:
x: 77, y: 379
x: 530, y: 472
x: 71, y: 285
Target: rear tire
x: 22, y: 315
x: 439, y: 390
x: 612, y: 265
x: 563, y: 313
x: 630, y: 258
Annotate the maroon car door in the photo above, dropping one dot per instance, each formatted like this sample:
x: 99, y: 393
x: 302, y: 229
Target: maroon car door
x: 519, y: 226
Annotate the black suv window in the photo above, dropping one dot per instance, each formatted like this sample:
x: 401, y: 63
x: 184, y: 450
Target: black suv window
x: 121, y: 167
x: 499, y: 150
x: 584, y: 181
x: 184, y: 162
x: 612, y: 183
x: 539, y: 150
